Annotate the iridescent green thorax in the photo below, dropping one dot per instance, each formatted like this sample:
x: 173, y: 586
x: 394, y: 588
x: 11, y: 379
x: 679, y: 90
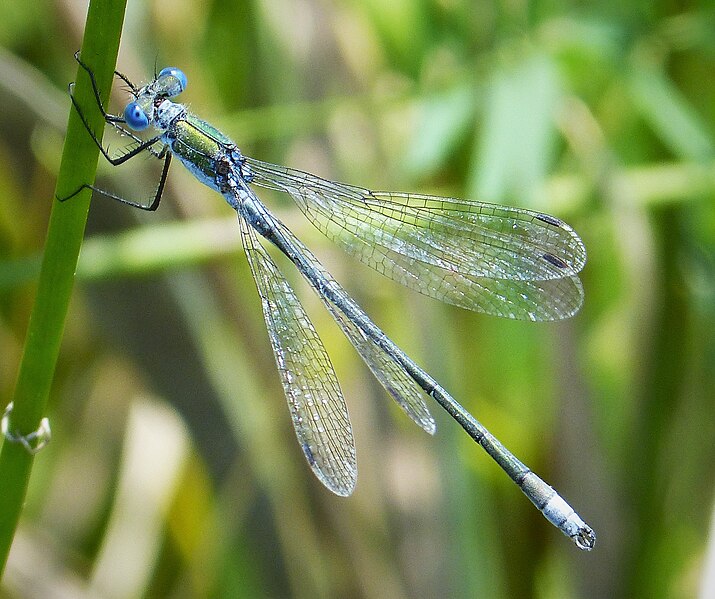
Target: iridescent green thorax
x: 199, y: 146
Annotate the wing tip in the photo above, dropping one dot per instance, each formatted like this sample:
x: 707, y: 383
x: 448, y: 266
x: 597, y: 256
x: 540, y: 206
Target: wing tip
x: 341, y: 484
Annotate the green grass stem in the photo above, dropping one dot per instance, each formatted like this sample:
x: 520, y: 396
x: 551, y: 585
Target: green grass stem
x: 64, y: 238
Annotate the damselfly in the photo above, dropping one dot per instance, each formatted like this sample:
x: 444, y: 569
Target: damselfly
x: 494, y: 259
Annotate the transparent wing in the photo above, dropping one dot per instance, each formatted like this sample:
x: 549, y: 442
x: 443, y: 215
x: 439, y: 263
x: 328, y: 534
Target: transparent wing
x: 317, y: 407
x: 403, y: 389
x: 398, y: 383
x: 446, y: 248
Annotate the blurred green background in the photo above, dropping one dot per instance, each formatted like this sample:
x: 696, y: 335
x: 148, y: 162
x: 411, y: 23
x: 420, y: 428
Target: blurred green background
x: 174, y: 470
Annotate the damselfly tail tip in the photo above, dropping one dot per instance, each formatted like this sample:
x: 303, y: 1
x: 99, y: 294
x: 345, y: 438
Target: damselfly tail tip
x: 585, y: 538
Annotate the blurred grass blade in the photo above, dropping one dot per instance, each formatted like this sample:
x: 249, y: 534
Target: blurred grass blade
x: 515, y: 143
x: 444, y: 119
x: 671, y: 116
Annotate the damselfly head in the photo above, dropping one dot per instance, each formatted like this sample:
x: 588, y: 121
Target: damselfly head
x: 140, y: 113
x: 137, y: 113
x: 170, y: 82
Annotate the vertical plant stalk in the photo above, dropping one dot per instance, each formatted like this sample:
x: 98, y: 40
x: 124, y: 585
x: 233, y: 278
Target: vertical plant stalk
x: 64, y: 238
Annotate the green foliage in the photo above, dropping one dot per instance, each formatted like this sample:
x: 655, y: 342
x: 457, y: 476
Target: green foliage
x: 601, y: 115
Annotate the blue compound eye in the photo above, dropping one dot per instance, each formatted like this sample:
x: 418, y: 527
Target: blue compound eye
x: 135, y: 117
x: 177, y: 74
